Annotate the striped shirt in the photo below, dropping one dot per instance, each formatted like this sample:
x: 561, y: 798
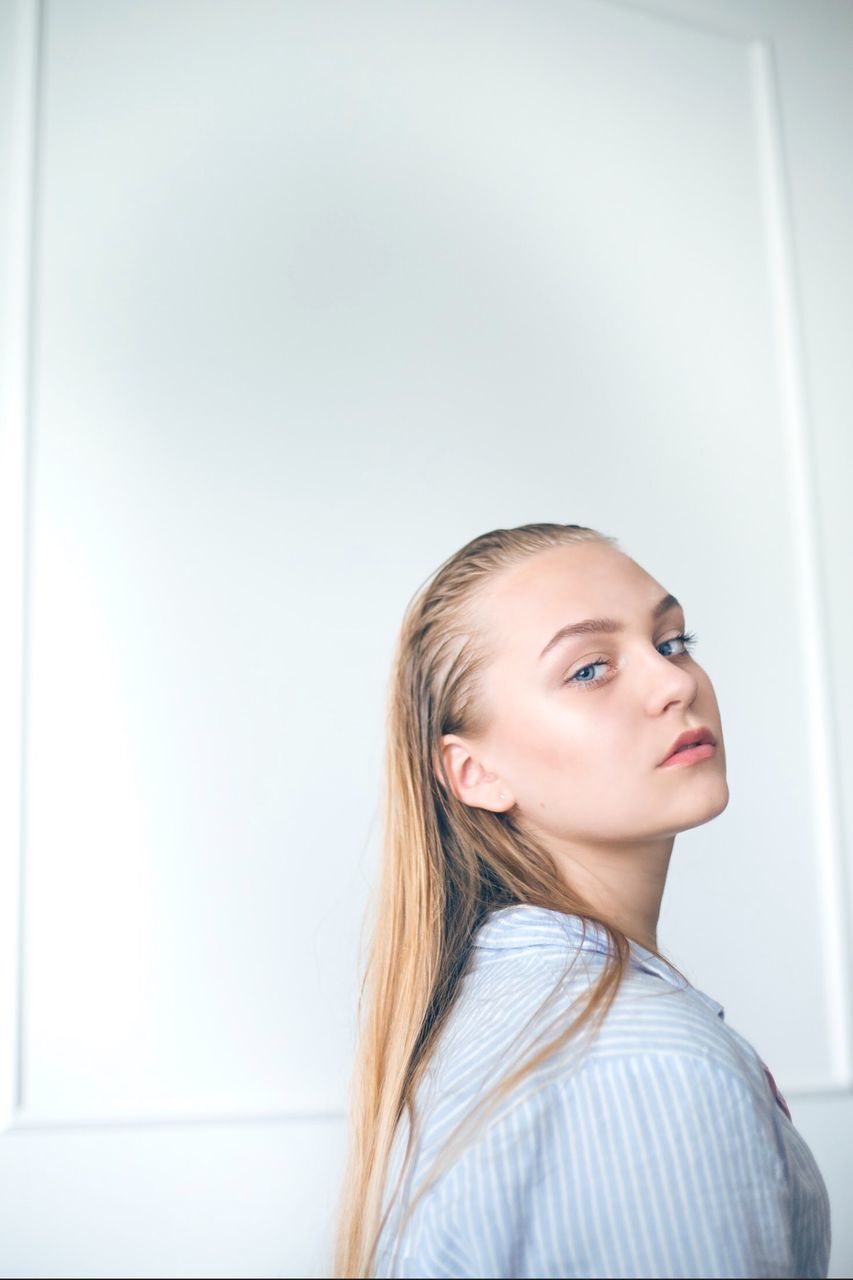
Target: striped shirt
x: 658, y: 1147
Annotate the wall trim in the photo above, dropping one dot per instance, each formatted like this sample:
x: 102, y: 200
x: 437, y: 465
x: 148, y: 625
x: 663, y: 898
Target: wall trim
x: 808, y: 578
x: 16, y: 380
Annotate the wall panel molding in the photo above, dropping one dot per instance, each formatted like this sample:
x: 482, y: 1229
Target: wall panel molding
x: 808, y: 577
x: 828, y: 856
x: 18, y: 154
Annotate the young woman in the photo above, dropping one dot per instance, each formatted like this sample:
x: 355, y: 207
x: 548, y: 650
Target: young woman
x: 538, y: 1091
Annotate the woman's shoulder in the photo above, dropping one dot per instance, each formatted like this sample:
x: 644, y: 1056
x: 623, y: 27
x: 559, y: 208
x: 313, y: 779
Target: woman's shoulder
x: 660, y: 1020
x: 658, y: 1052
x: 531, y: 974
x: 572, y: 1134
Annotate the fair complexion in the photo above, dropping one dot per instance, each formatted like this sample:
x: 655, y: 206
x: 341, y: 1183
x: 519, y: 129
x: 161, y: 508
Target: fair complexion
x: 574, y: 737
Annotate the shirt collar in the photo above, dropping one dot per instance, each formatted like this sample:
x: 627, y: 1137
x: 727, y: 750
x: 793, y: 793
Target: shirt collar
x: 522, y: 926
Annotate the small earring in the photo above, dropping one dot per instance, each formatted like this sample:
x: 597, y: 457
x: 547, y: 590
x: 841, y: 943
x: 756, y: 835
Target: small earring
x: 501, y: 796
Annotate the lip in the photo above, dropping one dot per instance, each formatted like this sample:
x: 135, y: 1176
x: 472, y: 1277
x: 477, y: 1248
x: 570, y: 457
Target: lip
x: 701, y: 735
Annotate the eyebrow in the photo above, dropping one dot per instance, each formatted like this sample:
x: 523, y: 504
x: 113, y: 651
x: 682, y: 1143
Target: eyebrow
x: 599, y: 626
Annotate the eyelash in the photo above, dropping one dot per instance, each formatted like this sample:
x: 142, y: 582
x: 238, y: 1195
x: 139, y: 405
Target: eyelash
x: 687, y: 638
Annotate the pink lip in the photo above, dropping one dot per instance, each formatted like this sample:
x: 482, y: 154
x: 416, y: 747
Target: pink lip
x: 700, y: 735
x: 690, y: 756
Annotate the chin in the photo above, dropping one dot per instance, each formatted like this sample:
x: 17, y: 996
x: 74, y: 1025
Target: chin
x: 709, y: 805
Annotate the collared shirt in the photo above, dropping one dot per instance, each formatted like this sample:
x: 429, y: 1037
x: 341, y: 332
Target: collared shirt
x: 660, y: 1148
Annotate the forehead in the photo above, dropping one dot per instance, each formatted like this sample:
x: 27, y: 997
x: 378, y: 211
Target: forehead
x: 553, y: 588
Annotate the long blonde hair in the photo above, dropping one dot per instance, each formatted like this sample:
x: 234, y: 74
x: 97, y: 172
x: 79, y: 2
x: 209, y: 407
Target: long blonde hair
x: 444, y: 867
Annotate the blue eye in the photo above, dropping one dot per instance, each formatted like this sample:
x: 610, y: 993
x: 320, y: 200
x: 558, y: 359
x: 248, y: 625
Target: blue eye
x: 686, y: 638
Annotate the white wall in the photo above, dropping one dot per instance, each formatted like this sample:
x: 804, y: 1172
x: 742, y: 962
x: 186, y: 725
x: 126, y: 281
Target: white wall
x: 298, y: 299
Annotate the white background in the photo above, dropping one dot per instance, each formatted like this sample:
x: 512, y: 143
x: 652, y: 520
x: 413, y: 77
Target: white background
x: 297, y: 299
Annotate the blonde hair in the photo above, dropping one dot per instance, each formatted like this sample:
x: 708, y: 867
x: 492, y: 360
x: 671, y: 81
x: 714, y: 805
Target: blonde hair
x: 444, y: 867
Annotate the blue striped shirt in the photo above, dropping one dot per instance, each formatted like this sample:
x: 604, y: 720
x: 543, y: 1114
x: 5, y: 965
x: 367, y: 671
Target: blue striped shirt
x: 661, y: 1147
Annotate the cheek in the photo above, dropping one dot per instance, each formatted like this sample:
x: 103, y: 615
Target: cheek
x: 553, y: 736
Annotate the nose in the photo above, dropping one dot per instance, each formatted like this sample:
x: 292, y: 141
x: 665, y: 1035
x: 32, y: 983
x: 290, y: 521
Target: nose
x: 669, y: 680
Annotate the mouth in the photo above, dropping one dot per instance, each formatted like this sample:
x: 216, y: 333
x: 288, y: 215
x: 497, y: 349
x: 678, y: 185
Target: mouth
x: 692, y: 744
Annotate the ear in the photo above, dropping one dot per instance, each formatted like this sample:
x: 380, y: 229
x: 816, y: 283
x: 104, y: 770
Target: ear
x: 471, y: 781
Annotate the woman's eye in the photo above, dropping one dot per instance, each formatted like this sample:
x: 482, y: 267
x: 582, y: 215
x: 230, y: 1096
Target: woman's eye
x: 686, y: 639
x: 580, y: 678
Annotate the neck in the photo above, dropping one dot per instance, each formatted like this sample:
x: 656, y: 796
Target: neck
x: 622, y: 883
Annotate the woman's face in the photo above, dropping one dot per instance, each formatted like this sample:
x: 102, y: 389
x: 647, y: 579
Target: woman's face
x: 577, y: 726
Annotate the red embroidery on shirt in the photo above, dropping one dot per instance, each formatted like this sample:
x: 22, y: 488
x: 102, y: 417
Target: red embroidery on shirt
x: 776, y: 1094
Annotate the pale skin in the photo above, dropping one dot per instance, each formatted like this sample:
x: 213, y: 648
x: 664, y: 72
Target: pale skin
x: 579, y: 762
